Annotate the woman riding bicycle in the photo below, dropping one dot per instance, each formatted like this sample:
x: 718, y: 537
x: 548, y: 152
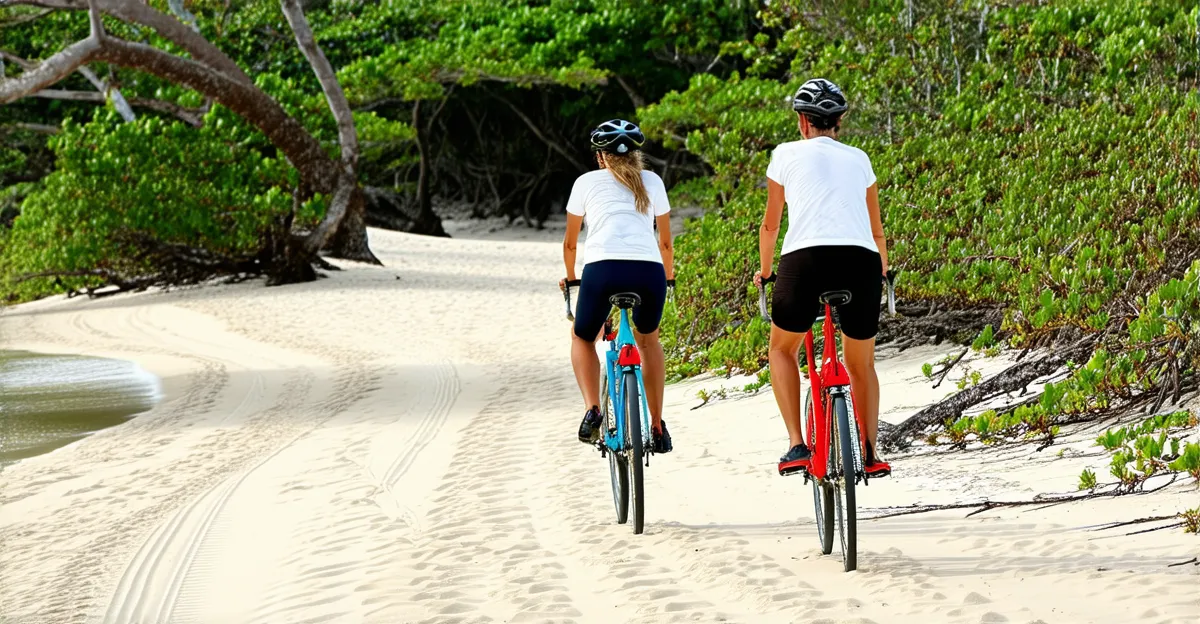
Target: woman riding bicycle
x: 622, y: 203
x: 835, y: 241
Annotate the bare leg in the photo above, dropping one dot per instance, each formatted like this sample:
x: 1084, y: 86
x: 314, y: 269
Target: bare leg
x: 654, y: 373
x: 587, y: 369
x: 785, y: 380
x: 860, y: 363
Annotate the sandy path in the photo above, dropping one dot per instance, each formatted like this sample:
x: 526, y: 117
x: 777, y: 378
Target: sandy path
x: 394, y: 445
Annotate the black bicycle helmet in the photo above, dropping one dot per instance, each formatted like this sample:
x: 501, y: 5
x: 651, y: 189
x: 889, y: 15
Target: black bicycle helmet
x: 819, y: 97
x: 617, y: 137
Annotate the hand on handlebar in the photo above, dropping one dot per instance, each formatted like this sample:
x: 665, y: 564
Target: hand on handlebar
x: 760, y: 279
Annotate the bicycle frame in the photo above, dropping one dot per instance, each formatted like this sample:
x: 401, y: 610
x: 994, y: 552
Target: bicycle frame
x: 621, y: 357
x: 830, y: 380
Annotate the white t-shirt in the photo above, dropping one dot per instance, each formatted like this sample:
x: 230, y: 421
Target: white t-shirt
x: 616, y: 230
x: 825, y: 183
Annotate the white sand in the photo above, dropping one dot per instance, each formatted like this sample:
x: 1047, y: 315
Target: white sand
x: 396, y: 445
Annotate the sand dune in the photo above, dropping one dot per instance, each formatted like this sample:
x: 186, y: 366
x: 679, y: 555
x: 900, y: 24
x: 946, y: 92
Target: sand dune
x: 395, y: 444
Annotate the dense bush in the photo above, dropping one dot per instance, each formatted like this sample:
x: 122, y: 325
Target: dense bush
x: 184, y: 186
x: 1040, y: 157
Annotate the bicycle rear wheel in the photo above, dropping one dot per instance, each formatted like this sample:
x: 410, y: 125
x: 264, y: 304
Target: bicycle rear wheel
x: 843, y: 485
x: 634, y: 450
x: 618, y: 470
x: 821, y: 490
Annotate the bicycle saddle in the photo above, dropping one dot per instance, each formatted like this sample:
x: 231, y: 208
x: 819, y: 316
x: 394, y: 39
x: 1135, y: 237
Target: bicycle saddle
x: 625, y: 300
x: 836, y: 297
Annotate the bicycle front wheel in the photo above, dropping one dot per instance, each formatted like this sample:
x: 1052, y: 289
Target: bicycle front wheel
x: 821, y: 490
x: 633, y: 449
x: 844, y: 485
x: 618, y: 470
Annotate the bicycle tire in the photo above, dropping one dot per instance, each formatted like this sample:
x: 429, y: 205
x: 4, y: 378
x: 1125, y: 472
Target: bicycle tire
x: 847, y: 516
x: 821, y: 490
x: 634, y: 450
x: 618, y: 471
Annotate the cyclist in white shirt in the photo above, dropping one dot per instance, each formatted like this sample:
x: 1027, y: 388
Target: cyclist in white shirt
x: 622, y: 203
x: 834, y: 241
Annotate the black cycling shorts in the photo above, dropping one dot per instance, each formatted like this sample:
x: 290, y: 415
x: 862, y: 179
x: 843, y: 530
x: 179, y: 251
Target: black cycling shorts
x: 805, y: 274
x: 606, y: 278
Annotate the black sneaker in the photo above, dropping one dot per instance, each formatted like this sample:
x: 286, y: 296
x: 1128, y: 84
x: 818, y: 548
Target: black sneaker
x: 795, y: 460
x: 589, y: 429
x: 662, y: 438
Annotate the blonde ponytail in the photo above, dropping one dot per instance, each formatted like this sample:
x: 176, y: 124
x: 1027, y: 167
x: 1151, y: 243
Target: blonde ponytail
x: 627, y: 169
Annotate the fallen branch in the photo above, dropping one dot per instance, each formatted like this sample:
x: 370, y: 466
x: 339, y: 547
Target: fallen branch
x: 946, y: 370
x: 986, y: 505
x: 1015, y: 377
x: 1117, y: 525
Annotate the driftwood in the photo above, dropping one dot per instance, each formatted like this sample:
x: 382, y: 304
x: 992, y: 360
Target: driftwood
x: 1013, y: 378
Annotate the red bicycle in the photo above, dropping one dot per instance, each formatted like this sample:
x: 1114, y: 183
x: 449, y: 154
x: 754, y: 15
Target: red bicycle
x: 837, y: 450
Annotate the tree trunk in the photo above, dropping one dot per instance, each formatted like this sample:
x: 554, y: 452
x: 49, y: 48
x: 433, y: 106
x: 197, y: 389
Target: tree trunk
x: 427, y: 221
x: 349, y: 240
x: 343, y: 232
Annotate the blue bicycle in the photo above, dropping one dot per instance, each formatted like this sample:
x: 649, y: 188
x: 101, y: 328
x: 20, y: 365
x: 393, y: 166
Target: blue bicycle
x: 627, y: 434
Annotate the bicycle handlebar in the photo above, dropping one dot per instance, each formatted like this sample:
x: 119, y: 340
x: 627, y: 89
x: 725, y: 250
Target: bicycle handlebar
x: 762, y: 297
x: 573, y: 283
x: 567, y: 297
x: 889, y: 282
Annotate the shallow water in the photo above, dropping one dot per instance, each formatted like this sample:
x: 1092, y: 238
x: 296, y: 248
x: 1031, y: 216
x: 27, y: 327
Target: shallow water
x: 47, y: 401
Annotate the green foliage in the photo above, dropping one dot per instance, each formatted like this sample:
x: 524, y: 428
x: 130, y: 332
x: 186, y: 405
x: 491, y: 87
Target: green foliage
x: 763, y: 379
x: 1041, y: 157
x: 986, y: 339
x: 209, y: 188
x: 1191, y: 520
x: 1087, y: 480
x: 1151, y: 447
x: 1188, y: 461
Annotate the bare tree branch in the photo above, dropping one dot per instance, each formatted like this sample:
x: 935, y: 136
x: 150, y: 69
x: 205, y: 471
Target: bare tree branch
x: 538, y: 133
x: 118, y: 99
x: 192, y: 116
x: 334, y: 95
x: 76, y: 5
x: 96, y: 24
x: 183, y: 14
x: 167, y: 26
x: 47, y: 4
x: 31, y: 127
x: 49, y: 71
x: 634, y: 96
x: 26, y: 18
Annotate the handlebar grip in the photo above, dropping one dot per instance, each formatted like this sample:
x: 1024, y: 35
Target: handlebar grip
x: 567, y: 298
x: 889, y: 284
x: 762, y: 296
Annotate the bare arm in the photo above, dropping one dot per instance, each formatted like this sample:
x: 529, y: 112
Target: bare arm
x: 665, y: 246
x: 768, y: 234
x: 877, y: 224
x: 570, y: 239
